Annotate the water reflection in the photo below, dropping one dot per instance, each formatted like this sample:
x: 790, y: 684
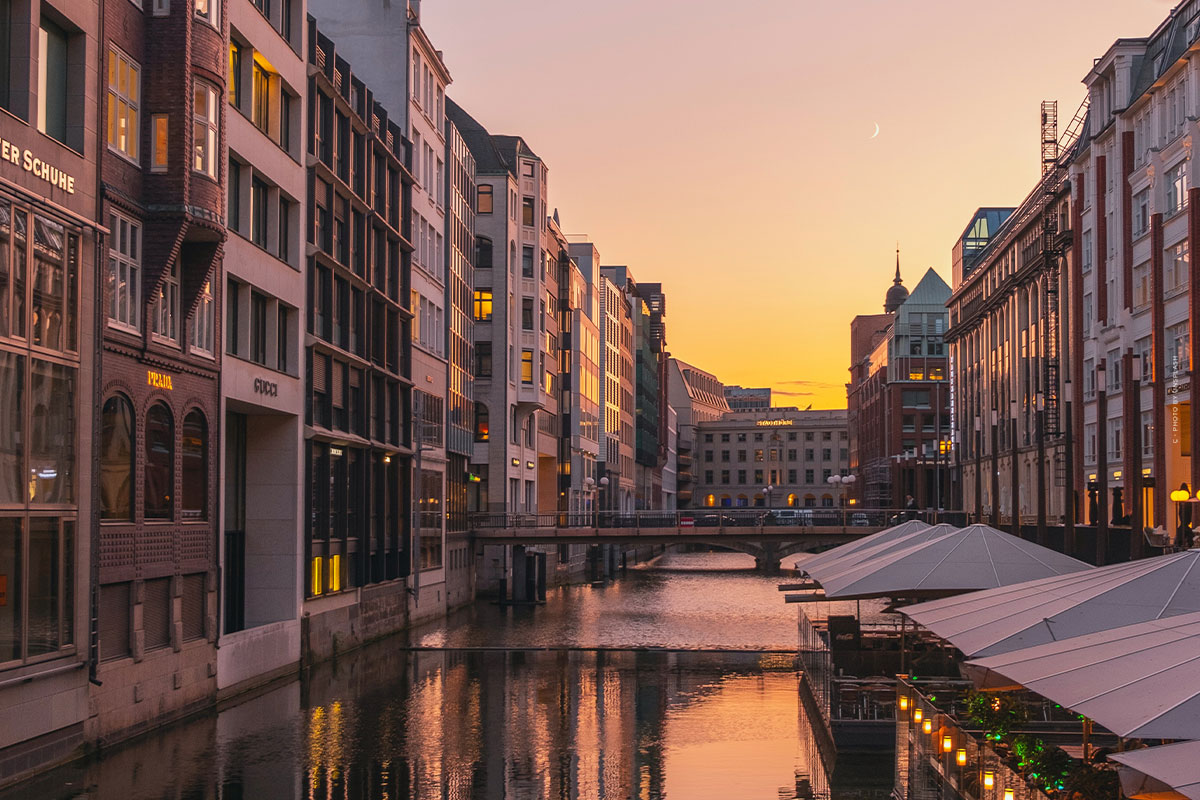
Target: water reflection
x: 498, y: 715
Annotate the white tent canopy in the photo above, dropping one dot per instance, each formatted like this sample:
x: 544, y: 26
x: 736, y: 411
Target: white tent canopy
x: 1157, y: 773
x: 1012, y: 617
x: 885, y: 535
x: 975, y: 557
x: 1137, y: 680
x: 836, y: 566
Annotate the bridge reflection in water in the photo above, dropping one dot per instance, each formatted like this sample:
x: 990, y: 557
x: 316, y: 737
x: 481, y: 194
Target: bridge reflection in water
x: 482, y: 724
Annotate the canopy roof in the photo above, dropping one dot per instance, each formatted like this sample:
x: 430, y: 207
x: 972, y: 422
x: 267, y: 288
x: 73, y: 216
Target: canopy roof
x: 1137, y: 680
x: 976, y: 557
x: 1160, y: 772
x: 832, y: 569
x: 1012, y: 617
x: 885, y: 535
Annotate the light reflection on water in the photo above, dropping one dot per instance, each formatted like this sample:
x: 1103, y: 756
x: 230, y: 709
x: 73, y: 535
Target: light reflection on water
x: 475, y: 724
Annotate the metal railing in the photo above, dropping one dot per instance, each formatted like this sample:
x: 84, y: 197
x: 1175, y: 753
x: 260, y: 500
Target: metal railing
x: 851, y: 519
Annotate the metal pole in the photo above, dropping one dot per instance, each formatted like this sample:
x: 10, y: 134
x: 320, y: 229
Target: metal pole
x: 1070, y: 501
x: 978, y: 470
x: 1041, y: 469
x: 1015, y: 488
x: 995, y: 468
x: 1101, y: 462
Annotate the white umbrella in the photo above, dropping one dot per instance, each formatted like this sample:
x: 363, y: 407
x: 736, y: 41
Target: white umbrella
x: 976, y: 557
x: 885, y: 535
x: 1160, y: 772
x: 829, y: 570
x: 1137, y: 680
x: 1009, y: 618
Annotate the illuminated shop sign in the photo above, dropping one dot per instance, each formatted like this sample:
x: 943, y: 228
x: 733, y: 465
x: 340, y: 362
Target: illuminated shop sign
x: 773, y: 423
x: 159, y: 380
x: 26, y: 160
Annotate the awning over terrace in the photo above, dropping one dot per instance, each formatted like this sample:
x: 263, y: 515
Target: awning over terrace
x: 1009, y: 618
x: 1137, y: 680
x: 841, y: 551
x: 1160, y: 773
x: 973, y: 558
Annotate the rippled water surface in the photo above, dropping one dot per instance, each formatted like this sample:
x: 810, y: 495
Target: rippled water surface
x: 556, y: 701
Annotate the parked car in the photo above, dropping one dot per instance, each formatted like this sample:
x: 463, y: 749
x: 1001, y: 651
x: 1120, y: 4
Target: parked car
x: 860, y: 518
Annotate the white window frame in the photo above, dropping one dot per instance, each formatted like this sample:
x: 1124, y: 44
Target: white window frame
x: 201, y: 338
x: 129, y: 101
x: 164, y: 314
x: 206, y: 162
x: 209, y: 11
x: 124, y: 259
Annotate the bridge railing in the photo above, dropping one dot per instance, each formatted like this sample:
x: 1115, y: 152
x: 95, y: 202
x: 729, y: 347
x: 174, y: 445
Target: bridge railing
x: 720, y: 518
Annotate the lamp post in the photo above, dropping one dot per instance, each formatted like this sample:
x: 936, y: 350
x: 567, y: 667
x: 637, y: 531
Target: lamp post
x: 1178, y: 497
x: 767, y: 494
x: 841, y: 482
x: 1133, y: 457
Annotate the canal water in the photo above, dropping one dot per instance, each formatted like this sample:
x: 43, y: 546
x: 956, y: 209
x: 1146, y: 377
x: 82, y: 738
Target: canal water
x: 677, y: 681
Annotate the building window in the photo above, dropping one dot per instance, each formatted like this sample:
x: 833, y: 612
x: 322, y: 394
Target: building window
x: 209, y: 11
x: 195, y: 466
x: 203, y: 321
x: 483, y: 359
x: 527, y: 211
x: 123, y: 82
x: 483, y: 305
x: 159, y: 140
x: 124, y: 271
x: 262, y: 82
x: 526, y: 366
x: 527, y: 262
x: 1085, y: 248
x: 527, y: 313
x: 159, y: 474
x: 1177, y: 187
x: 1141, y: 212
x: 206, y: 125
x: 1141, y: 285
x: 481, y: 422
x: 164, y: 316
x: 1178, y: 354
x: 483, y: 252
x: 1175, y: 267
x: 258, y: 328
x: 116, y: 459
x: 235, y: 73
x: 53, y: 68
x: 259, y: 192
x: 483, y: 202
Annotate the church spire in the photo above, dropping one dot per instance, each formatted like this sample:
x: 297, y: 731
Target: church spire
x: 896, y: 293
x: 897, y: 280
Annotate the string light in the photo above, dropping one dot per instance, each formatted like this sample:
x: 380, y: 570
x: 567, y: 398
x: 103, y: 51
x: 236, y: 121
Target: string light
x: 989, y: 779
x: 961, y: 756
x: 927, y: 726
x: 917, y: 715
x: 1008, y: 794
x: 904, y: 702
x: 947, y: 743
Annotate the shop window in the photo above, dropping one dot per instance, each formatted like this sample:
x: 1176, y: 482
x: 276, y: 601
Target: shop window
x: 55, y: 273
x: 159, y: 484
x: 52, y: 444
x: 116, y: 459
x: 194, y: 448
x: 37, y: 561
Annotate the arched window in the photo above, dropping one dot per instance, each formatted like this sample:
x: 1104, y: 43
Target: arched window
x: 481, y: 422
x: 726, y: 501
x: 792, y: 500
x: 826, y: 501
x: 116, y: 458
x: 809, y: 501
x: 160, y: 462
x: 742, y: 501
x: 195, y: 466
x: 483, y: 204
x: 483, y: 252
x: 710, y: 500
x: 758, y: 500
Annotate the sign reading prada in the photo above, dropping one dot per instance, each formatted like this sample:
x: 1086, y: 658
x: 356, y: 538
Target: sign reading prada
x: 26, y: 160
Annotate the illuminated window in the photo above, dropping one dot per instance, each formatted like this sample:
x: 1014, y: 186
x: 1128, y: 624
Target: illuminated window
x: 316, y: 575
x: 158, y: 143
x: 335, y: 573
x: 123, y: 82
x: 483, y: 305
x: 206, y: 125
x: 710, y: 500
x: 526, y: 366
x: 235, y: 74
x: 916, y: 374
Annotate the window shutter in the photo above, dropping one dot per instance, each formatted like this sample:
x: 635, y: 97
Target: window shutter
x: 114, y: 621
x: 193, y: 607
x: 156, y: 613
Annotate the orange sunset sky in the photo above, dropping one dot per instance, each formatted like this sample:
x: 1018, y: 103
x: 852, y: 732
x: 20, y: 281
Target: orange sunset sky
x: 724, y: 148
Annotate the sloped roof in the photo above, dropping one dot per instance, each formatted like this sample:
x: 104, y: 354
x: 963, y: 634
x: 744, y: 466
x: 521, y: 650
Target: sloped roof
x: 493, y: 153
x: 931, y: 290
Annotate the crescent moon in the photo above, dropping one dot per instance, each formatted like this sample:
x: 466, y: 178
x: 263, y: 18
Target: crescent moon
x: 876, y: 133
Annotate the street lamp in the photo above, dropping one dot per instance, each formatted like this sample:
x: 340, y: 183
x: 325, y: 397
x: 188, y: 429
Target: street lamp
x: 1178, y: 497
x: 844, y: 482
x: 767, y: 491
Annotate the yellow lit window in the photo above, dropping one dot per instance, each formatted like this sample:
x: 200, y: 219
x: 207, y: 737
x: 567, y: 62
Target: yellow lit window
x: 158, y: 143
x: 483, y: 305
x: 335, y: 573
x: 316, y: 575
x: 526, y: 366
x: 916, y: 375
x: 123, y: 92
